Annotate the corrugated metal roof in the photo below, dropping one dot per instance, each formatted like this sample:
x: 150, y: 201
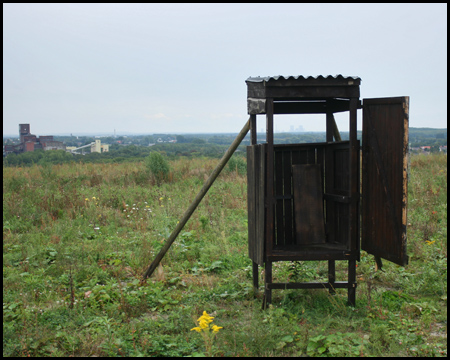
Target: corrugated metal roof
x: 299, y: 77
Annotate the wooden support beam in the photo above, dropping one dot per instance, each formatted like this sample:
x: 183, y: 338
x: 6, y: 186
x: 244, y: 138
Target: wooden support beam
x: 335, y: 285
x: 258, y: 106
x: 352, y: 282
x: 354, y: 178
x: 332, y: 276
x: 269, y: 178
x: 253, y: 132
x: 197, y: 199
x: 336, y: 134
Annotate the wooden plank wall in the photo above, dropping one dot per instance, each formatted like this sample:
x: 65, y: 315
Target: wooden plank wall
x: 337, y: 190
x: 285, y: 156
x: 334, y: 164
x: 308, y: 204
x: 256, y: 197
x: 384, y: 184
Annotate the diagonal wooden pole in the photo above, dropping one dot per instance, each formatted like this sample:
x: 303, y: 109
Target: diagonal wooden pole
x: 187, y: 214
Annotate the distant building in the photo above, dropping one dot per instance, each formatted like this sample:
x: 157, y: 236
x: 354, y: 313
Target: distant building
x: 98, y: 147
x: 30, y: 142
x: 95, y: 146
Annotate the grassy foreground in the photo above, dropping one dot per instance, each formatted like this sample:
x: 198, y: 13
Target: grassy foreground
x: 76, y: 239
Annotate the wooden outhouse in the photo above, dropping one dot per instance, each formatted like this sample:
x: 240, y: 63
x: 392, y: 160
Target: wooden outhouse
x: 309, y: 201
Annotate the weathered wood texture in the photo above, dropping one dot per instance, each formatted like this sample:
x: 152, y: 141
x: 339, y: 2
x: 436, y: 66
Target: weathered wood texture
x: 311, y: 285
x: 311, y: 203
x: 308, y: 204
x: 354, y: 178
x: 307, y: 88
x: 285, y: 157
x: 270, y: 197
x: 258, y: 106
x: 260, y: 91
x: 337, y: 195
x: 384, y: 183
x: 256, y: 175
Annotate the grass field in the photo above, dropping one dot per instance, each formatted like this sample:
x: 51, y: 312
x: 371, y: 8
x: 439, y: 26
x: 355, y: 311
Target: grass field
x: 77, y: 238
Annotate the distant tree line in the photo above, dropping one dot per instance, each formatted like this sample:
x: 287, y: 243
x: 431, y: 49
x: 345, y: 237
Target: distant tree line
x: 116, y: 154
x: 136, y: 148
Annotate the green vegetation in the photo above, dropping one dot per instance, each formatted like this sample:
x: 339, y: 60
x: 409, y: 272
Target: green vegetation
x: 137, y: 148
x: 158, y: 166
x: 78, y: 236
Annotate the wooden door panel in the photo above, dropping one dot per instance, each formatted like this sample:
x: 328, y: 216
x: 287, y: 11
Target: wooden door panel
x: 384, y: 178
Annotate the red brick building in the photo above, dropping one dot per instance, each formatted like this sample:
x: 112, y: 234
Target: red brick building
x: 30, y: 142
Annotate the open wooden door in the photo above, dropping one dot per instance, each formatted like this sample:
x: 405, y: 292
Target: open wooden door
x: 384, y: 178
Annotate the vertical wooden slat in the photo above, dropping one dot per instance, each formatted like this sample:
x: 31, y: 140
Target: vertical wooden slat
x: 329, y: 126
x: 329, y: 205
x: 279, y: 202
x: 352, y: 282
x: 354, y: 174
x: 358, y: 204
x: 288, y: 198
x: 255, y: 276
x: 256, y: 208
x: 299, y: 157
x: 341, y: 173
x: 253, y: 141
x: 268, y: 280
x: 253, y: 130
x: 251, y: 201
x: 320, y: 160
x: 341, y: 221
x: 269, y: 178
x: 311, y: 156
x: 330, y: 213
x: 308, y: 204
x: 405, y: 165
x: 261, y: 208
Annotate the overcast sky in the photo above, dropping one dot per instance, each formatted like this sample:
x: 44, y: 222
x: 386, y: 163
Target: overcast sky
x: 180, y: 68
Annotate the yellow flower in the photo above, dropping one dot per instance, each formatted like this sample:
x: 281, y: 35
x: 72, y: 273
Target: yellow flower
x: 197, y: 329
x: 93, y: 197
x: 205, y: 317
x: 161, y: 198
x: 86, y: 199
x: 216, y: 328
x: 430, y: 242
x: 203, y: 324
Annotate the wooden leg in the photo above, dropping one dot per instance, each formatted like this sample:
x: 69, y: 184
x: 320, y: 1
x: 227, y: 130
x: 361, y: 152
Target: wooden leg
x: 352, y: 282
x: 255, y: 277
x: 332, y: 275
x: 379, y: 263
x: 268, y: 280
